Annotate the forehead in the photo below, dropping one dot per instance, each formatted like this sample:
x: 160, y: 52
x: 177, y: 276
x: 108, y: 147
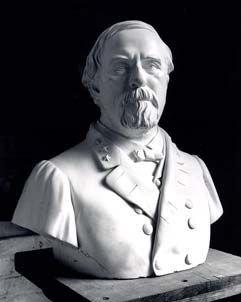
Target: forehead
x: 133, y: 42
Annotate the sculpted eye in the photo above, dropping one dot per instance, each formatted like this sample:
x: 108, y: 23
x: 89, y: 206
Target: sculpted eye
x: 152, y: 65
x: 119, y: 69
x: 155, y: 65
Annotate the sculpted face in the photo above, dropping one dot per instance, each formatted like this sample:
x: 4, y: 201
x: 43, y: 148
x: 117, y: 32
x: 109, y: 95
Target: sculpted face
x: 132, y: 81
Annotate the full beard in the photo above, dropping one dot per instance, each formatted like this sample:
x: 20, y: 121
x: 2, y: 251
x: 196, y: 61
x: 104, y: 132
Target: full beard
x: 139, y: 109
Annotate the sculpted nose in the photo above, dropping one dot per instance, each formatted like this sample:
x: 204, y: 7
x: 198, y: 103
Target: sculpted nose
x: 137, y: 77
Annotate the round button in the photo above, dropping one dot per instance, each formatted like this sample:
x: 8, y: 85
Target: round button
x: 189, y: 204
x: 158, y: 265
x: 157, y: 182
x: 148, y: 229
x: 138, y: 210
x: 188, y: 260
x: 192, y: 223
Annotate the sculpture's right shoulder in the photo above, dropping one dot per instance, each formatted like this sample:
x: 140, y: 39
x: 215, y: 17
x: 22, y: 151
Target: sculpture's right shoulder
x: 78, y: 162
x: 78, y: 153
x: 69, y: 158
x: 45, y: 205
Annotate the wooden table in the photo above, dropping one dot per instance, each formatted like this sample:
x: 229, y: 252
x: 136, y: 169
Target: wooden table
x: 13, y: 286
x: 218, y: 278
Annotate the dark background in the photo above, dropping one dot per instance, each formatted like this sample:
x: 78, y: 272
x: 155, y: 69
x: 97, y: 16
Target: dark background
x: 45, y: 110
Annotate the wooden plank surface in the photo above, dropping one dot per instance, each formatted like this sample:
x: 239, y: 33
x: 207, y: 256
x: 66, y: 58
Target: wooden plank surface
x: 13, y: 286
x: 27, y: 297
x: 218, y: 278
x: 211, y: 281
x: 215, y: 295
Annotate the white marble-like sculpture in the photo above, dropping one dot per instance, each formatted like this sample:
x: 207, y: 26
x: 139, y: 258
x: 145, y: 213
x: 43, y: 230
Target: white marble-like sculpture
x: 125, y: 202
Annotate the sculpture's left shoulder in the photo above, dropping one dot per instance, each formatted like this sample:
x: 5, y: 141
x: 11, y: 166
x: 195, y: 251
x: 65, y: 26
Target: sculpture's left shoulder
x: 197, y: 166
x: 194, y: 168
x: 215, y: 206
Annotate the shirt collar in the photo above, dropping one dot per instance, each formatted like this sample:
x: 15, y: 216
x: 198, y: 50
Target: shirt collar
x: 131, y: 148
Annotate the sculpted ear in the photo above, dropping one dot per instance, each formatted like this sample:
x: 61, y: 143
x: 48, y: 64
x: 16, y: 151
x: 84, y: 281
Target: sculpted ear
x: 95, y: 91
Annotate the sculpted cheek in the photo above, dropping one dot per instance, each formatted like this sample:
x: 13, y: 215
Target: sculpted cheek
x: 113, y: 82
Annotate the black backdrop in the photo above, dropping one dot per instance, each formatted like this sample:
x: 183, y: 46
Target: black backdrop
x: 45, y: 110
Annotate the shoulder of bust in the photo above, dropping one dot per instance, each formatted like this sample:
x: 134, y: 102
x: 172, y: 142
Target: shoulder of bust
x: 72, y: 158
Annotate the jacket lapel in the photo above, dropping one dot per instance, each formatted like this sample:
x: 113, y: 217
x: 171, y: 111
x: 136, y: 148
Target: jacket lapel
x: 122, y: 179
x: 172, y: 197
x: 126, y: 184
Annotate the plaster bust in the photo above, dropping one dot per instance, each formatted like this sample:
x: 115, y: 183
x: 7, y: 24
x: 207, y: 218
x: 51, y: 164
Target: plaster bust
x: 125, y: 202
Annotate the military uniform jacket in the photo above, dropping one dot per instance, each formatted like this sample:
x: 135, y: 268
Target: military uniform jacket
x: 101, y: 216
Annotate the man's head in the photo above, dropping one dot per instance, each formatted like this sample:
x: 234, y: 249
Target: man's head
x: 127, y: 73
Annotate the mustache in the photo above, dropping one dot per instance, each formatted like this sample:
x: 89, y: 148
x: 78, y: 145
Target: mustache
x: 140, y: 94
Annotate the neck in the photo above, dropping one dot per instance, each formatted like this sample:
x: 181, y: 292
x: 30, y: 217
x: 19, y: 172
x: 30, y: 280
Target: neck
x: 140, y: 136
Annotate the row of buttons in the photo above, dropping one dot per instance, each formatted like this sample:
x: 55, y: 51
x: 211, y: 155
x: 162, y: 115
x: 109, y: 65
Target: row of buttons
x: 191, y: 221
x: 147, y: 227
x: 192, y: 225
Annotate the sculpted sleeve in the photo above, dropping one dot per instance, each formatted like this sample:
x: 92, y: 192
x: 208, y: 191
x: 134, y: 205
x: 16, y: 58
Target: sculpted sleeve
x: 45, y: 205
x: 215, y: 206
